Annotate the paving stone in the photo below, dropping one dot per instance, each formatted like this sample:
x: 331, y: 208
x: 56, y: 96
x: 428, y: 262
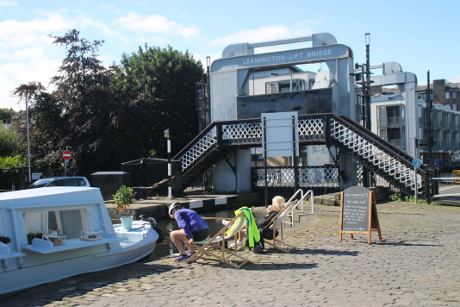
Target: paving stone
x: 417, y: 264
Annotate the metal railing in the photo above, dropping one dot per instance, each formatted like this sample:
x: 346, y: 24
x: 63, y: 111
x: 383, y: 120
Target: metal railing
x: 297, y: 202
x: 383, y: 158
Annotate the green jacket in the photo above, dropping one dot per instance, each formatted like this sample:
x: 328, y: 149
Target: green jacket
x: 253, y: 230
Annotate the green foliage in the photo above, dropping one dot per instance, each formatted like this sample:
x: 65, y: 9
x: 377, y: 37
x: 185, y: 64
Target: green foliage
x: 9, y: 141
x: 115, y: 114
x: 5, y: 115
x: 12, y: 162
x: 400, y: 198
x: 397, y: 197
x: 123, y: 197
x: 412, y: 200
x: 168, y: 77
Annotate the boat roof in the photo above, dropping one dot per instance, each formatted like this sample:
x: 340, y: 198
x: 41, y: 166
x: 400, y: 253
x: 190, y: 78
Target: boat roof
x: 50, y: 197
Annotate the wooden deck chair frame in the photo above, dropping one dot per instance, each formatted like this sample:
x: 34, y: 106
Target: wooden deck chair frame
x: 216, y: 247
x: 277, y: 223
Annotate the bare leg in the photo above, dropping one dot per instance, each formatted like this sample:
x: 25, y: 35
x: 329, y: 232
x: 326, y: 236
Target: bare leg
x: 178, y: 238
x: 240, y: 236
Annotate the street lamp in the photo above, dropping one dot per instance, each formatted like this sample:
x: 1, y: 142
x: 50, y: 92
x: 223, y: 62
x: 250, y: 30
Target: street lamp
x: 166, y: 132
x: 28, y: 136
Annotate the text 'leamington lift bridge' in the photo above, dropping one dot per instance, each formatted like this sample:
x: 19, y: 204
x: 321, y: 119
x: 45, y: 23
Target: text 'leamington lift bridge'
x: 248, y: 96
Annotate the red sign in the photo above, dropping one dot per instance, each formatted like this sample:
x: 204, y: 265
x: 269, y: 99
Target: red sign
x: 66, y: 155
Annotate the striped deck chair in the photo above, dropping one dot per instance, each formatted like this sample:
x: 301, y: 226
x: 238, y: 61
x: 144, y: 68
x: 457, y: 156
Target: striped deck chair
x: 216, y: 247
x: 277, y: 224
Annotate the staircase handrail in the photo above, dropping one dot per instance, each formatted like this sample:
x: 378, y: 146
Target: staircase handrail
x: 301, y: 200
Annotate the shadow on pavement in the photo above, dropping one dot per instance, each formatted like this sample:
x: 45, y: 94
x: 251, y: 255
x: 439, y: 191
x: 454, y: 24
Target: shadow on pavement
x: 406, y: 244
x: 317, y: 251
x: 276, y: 266
x: 82, y: 284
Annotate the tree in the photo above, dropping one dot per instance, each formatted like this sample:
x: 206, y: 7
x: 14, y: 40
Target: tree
x: 111, y: 115
x: 87, y: 110
x: 9, y: 141
x: 5, y: 115
x: 168, y: 77
x: 83, y: 112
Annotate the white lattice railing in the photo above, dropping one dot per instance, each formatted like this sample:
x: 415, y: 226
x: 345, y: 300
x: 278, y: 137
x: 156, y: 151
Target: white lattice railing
x: 368, y: 151
x: 309, y: 177
x: 240, y: 133
x: 201, y: 146
x: 310, y: 128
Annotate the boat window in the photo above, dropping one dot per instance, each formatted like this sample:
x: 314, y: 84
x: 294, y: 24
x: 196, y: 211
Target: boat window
x: 66, y: 222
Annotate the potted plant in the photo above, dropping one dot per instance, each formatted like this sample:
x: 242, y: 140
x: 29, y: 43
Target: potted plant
x: 123, y: 199
x: 4, y: 249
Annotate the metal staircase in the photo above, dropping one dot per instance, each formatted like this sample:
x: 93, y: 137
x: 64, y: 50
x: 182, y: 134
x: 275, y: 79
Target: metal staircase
x: 373, y: 152
x: 367, y: 148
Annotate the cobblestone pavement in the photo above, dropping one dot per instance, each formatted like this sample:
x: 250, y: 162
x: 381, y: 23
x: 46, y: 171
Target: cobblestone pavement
x: 416, y: 264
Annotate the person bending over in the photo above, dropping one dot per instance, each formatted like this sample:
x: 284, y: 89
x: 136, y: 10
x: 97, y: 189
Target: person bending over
x: 192, y: 228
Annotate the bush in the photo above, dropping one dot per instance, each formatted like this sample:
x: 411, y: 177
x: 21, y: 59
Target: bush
x: 123, y: 197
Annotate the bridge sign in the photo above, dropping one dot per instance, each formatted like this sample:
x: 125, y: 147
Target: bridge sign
x: 66, y: 155
x: 416, y: 162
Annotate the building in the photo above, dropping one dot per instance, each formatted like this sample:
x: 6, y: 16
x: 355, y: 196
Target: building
x: 444, y: 92
x: 389, y: 120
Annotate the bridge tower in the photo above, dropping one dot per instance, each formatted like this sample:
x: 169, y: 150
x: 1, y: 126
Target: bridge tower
x: 236, y: 94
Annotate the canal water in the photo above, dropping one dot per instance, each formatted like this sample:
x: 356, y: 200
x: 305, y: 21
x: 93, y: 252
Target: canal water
x: 166, y: 247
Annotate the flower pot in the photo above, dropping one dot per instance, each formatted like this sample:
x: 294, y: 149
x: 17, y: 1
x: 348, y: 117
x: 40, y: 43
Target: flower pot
x: 127, y: 222
x: 4, y: 249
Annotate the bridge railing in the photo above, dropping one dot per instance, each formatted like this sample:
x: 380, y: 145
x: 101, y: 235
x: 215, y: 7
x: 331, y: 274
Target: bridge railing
x: 383, y: 158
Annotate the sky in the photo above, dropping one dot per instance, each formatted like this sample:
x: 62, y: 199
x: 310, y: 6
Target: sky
x: 420, y: 35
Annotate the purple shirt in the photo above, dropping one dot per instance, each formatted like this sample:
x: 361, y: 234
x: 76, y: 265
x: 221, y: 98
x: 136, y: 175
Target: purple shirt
x: 190, y: 221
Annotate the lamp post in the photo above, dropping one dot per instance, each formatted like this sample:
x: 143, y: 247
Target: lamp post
x: 28, y: 136
x: 168, y: 141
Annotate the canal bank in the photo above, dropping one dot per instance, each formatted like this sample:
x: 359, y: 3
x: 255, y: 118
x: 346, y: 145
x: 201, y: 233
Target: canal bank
x: 157, y: 207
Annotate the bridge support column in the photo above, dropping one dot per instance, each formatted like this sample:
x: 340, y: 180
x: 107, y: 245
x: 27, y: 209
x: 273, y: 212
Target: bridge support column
x: 348, y: 168
x: 235, y: 178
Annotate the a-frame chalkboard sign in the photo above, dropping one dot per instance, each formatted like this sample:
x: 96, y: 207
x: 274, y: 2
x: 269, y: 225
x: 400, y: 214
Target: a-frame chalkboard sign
x: 358, y: 213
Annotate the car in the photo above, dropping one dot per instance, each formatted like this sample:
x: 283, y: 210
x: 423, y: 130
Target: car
x: 60, y: 182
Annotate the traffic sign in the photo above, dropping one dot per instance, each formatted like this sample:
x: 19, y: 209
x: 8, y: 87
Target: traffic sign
x: 66, y: 155
x: 416, y: 162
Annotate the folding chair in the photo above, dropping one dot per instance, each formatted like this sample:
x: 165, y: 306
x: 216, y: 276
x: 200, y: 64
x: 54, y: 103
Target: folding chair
x: 216, y: 246
x: 277, y: 223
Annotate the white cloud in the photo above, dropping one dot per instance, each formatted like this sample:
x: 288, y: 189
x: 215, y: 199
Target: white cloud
x: 257, y: 35
x: 156, y: 24
x: 455, y: 79
x: 8, y: 3
x: 27, y: 53
x: 271, y: 33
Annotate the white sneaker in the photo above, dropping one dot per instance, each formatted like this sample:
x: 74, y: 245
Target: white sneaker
x: 239, y: 245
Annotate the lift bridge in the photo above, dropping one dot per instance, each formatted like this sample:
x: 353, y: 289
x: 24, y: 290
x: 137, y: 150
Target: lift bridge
x: 244, y: 85
x: 337, y: 132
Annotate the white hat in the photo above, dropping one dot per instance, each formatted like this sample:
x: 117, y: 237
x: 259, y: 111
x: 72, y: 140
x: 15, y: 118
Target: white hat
x: 174, y: 207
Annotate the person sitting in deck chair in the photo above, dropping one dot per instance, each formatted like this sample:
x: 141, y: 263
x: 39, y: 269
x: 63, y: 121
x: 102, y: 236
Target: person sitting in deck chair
x: 272, y: 210
x: 276, y: 206
x: 192, y: 228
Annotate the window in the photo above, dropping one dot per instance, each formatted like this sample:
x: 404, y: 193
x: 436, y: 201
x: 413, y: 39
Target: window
x: 394, y: 137
x: 285, y: 86
x: 66, y: 222
x: 454, y: 95
x: 447, y: 95
x: 391, y: 124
